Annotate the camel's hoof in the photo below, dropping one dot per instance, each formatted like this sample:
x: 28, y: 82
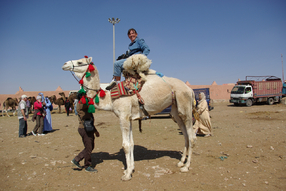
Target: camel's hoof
x: 126, y: 177
x: 125, y: 171
x: 184, y: 169
x: 180, y: 164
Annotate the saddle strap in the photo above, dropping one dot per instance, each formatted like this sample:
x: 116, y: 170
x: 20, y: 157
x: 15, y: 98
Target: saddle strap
x: 141, y: 103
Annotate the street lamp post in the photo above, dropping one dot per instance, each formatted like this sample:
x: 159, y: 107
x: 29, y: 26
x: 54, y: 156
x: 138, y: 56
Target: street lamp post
x: 113, y: 22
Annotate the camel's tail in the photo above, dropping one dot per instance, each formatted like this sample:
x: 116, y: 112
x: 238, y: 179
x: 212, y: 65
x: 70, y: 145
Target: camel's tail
x: 194, y: 99
x: 195, y: 113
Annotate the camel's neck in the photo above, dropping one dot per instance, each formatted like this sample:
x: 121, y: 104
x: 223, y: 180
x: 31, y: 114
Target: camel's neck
x: 93, y: 83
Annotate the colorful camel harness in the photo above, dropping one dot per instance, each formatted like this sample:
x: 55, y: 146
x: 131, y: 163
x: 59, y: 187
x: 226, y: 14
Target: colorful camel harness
x: 84, y: 99
x: 132, y: 85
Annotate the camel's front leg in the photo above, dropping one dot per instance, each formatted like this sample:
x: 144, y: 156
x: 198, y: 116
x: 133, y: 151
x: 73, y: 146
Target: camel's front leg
x: 7, y: 112
x: 128, y: 147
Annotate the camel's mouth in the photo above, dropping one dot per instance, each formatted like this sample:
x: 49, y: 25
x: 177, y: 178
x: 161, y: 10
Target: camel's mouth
x: 66, y: 67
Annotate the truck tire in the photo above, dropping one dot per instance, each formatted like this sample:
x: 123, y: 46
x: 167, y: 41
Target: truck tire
x: 270, y: 101
x: 248, y: 102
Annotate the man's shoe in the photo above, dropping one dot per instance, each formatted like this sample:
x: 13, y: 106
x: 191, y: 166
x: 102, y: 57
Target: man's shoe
x: 42, y: 134
x: 34, y: 133
x: 76, y: 163
x: 90, y: 169
x: 22, y: 136
x: 111, y: 85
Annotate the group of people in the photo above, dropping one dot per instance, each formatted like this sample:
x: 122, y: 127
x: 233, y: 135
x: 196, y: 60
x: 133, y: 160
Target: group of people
x: 42, y: 115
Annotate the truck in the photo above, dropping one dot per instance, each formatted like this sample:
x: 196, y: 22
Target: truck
x: 268, y: 89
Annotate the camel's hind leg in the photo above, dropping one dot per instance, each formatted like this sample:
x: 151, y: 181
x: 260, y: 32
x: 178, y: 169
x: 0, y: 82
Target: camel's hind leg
x: 128, y: 147
x: 182, y: 112
x: 187, y: 151
x: 191, y: 142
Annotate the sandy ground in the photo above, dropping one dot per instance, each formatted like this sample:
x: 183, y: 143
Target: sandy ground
x: 247, y: 152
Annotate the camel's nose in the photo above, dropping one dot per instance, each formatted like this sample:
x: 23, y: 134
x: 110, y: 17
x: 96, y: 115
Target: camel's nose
x: 65, y: 66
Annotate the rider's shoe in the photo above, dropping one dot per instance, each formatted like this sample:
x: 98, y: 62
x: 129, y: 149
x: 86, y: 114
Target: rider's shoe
x: 111, y: 85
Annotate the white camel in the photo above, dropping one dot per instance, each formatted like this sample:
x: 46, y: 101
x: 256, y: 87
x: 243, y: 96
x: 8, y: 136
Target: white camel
x: 158, y: 93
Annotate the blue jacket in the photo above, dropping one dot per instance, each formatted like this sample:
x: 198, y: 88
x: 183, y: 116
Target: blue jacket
x: 138, y: 46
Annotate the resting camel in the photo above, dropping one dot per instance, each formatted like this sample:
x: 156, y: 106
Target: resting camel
x: 59, y: 101
x: 157, y: 94
x: 9, y: 102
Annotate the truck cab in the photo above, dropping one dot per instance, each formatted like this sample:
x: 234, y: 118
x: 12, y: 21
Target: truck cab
x: 240, y: 94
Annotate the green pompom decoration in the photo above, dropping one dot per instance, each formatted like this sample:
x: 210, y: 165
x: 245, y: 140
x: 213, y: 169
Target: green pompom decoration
x: 82, y: 91
x: 96, y: 99
x: 91, y: 109
x: 87, y: 74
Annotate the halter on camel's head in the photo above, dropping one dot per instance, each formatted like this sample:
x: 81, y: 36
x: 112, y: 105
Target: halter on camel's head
x: 79, y: 67
x: 83, y: 69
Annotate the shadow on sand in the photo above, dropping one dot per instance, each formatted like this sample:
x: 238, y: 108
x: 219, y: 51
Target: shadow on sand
x: 140, y: 153
x: 47, y: 132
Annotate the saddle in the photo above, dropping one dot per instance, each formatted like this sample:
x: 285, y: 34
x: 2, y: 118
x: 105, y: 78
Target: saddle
x: 135, y: 69
x: 130, y: 86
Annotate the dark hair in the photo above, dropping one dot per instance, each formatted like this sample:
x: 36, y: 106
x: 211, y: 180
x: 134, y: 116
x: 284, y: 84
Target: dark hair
x: 132, y: 29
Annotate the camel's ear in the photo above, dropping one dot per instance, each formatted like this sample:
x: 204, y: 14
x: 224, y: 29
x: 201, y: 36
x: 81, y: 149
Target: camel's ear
x: 89, y: 59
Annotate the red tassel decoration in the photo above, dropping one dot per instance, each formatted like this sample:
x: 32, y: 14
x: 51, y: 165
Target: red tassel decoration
x: 81, y: 82
x: 91, y: 68
x: 90, y: 102
x: 86, y: 56
x: 101, y: 93
x: 83, y: 100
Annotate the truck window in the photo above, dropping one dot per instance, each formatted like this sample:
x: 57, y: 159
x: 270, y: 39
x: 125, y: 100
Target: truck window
x: 237, y: 90
x: 247, y: 90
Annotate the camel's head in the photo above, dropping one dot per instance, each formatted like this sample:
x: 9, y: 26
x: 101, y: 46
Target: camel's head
x: 79, y: 67
x: 62, y: 94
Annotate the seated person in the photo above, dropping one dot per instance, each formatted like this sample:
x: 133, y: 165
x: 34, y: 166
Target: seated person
x: 137, y: 46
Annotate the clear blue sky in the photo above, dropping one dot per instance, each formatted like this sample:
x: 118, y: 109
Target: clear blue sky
x: 197, y: 41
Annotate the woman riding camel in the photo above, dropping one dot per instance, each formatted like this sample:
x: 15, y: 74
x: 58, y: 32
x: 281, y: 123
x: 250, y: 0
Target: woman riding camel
x: 203, y: 124
x: 137, y: 46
